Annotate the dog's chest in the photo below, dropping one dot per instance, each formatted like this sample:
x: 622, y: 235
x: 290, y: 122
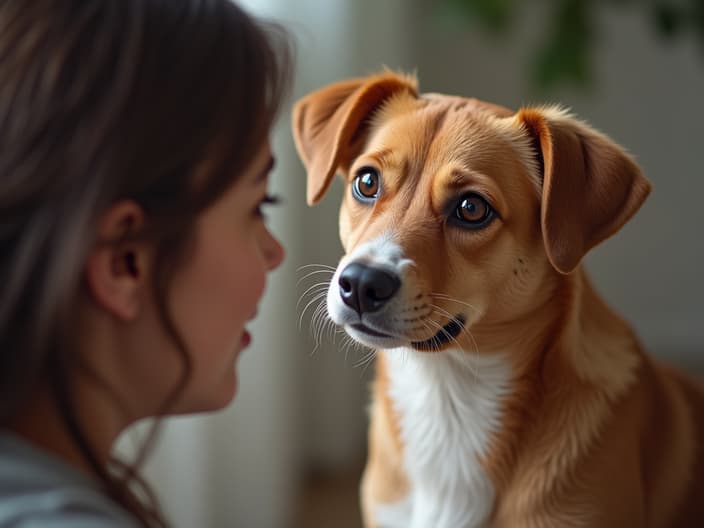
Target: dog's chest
x: 448, y: 405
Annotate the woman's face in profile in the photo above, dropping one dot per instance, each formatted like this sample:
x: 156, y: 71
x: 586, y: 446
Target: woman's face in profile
x: 218, y: 289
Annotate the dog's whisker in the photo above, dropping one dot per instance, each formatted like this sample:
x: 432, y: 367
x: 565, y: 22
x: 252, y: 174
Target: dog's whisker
x: 360, y: 348
x: 319, y: 298
x: 369, y: 362
x: 320, y: 320
x: 344, y: 348
x: 316, y: 285
x: 350, y: 345
x: 441, y: 328
x: 450, y: 317
x: 330, y: 329
x: 433, y: 344
x: 310, y: 274
x: 327, y: 327
x: 317, y: 295
x: 464, y: 329
x: 325, y: 283
x: 316, y: 320
x: 326, y: 266
x: 312, y: 352
x: 366, y: 361
x: 313, y: 323
x: 314, y: 290
x: 446, y: 297
x: 434, y: 341
x: 472, y: 366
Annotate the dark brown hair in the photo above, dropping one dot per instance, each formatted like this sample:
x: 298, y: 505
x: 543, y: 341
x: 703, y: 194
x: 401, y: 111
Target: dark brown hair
x: 104, y: 100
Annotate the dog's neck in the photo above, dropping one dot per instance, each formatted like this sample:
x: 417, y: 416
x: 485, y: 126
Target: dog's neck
x: 585, y: 359
x: 456, y: 406
x: 570, y: 328
x: 582, y: 338
x: 447, y: 406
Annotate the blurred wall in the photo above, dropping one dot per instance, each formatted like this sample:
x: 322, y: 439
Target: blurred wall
x: 300, y: 405
x: 647, y: 95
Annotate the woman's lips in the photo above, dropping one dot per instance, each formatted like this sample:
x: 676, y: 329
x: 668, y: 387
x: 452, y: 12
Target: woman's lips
x: 246, y: 339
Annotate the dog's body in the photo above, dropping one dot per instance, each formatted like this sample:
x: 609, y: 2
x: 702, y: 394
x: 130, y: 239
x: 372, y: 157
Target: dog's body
x: 507, y: 393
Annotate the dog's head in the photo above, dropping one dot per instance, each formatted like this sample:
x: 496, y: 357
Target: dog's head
x: 457, y: 213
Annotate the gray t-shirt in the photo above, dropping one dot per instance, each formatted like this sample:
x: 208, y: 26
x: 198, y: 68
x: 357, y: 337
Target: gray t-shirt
x: 38, y: 490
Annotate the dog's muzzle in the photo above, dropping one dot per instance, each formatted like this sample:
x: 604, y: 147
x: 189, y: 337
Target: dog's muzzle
x: 367, y: 289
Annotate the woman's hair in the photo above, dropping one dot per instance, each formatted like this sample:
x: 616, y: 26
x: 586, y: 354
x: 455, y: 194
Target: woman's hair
x: 105, y: 100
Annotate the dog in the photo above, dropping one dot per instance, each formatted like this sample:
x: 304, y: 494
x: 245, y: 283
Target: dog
x: 507, y: 393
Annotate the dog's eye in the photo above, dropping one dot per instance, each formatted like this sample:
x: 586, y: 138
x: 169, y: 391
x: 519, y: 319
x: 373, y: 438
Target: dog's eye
x: 366, y: 184
x: 473, y: 211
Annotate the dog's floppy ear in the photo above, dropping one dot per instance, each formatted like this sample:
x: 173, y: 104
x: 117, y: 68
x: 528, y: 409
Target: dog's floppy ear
x: 326, y: 123
x: 591, y: 186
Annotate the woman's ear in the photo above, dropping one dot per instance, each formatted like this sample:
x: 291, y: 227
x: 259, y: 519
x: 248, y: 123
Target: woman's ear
x: 116, y: 269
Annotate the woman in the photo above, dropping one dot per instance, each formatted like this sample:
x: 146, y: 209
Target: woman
x: 134, y: 156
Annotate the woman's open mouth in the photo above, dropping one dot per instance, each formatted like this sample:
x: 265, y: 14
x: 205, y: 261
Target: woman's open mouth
x: 445, y: 335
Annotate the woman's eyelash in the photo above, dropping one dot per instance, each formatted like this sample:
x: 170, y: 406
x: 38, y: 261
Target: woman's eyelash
x: 269, y: 199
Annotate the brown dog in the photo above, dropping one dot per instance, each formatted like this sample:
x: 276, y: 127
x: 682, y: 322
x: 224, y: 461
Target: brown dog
x: 507, y: 393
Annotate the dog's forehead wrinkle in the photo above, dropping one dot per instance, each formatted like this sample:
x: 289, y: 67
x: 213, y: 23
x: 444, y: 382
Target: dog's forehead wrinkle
x: 402, y: 146
x: 461, y: 141
x: 430, y: 123
x: 491, y: 146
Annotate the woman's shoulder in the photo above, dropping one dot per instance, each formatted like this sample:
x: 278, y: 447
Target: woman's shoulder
x: 39, y: 490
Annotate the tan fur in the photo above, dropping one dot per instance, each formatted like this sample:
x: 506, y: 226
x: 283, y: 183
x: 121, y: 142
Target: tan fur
x: 384, y: 480
x: 594, y: 432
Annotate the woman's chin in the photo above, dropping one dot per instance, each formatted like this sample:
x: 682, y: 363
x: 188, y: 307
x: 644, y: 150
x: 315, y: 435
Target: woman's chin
x: 227, y: 392
x: 219, y: 396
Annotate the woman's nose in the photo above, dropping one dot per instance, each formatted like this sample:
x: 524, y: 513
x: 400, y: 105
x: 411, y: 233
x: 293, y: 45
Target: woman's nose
x: 273, y: 251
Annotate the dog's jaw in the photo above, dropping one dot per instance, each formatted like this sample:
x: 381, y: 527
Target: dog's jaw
x: 447, y: 334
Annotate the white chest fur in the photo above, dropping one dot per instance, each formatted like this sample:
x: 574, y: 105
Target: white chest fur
x: 449, y: 405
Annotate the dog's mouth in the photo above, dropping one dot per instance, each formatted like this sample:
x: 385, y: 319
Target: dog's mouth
x: 370, y: 331
x: 446, y: 334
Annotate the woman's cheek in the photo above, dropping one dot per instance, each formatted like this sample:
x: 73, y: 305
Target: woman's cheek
x: 254, y: 282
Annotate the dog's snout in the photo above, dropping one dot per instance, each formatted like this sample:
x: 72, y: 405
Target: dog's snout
x: 365, y: 288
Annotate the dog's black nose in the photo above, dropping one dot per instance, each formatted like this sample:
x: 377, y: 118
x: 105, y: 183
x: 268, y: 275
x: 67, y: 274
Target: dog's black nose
x: 365, y: 288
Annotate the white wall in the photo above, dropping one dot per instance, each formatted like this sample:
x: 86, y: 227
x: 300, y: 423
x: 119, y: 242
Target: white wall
x: 297, y: 409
